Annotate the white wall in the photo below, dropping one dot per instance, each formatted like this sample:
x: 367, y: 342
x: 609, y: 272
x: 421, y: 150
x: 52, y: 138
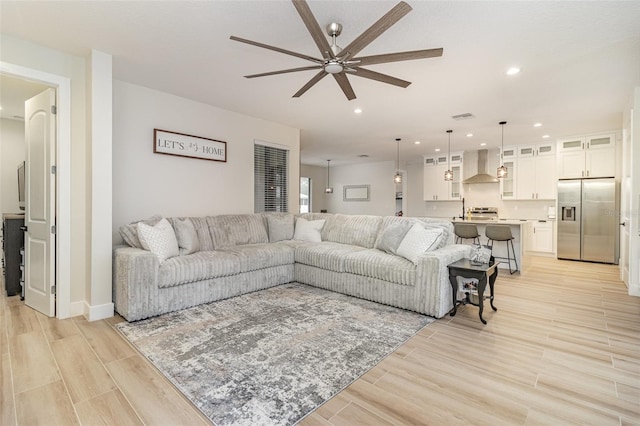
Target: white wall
x: 12, y: 152
x: 145, y: 183
x: 382, y: 188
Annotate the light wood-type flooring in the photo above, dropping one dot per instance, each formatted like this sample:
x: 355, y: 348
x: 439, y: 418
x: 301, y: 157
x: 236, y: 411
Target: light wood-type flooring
x: 563, y: 348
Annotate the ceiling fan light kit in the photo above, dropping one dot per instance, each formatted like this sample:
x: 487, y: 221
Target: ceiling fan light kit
x: 339, y: 62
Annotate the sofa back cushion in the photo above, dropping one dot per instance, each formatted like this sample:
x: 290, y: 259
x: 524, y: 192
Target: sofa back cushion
x: 356, y: 230
x: 237, y: 229
x: 448, y: 236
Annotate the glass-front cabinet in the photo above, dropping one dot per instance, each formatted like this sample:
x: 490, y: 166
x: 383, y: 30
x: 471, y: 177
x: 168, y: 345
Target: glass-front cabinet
x: 508, y: 184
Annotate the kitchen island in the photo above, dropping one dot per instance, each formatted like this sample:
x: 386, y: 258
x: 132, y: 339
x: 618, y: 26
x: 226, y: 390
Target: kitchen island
x: 500, y: 248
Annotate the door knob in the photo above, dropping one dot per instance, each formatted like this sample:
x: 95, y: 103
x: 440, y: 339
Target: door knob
x: 23, y: 228
x: 623, y: 224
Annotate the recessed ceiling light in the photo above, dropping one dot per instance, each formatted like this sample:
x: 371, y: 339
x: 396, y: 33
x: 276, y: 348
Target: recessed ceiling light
x: 537, y: 124
x: 437, y: 149
x: 358, y: 110
x: 513, y: 71
x: 469, y: 135
x: 416, y: 143
x: 483, y: 144
x: 545, y: 136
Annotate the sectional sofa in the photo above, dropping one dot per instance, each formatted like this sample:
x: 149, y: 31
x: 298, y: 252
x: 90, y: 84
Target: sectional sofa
x: 228, y: 255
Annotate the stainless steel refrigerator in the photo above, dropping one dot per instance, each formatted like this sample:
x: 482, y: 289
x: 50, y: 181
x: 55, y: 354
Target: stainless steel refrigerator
x: 587, y: 220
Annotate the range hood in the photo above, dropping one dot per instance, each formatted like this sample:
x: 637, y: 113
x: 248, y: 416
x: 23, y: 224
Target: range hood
x: 482, y: 176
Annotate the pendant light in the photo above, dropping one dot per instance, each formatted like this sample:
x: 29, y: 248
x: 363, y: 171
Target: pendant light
x: 502, y: 170
x: 448, y: 174
x: 398, y: 177
x: 329, y: 188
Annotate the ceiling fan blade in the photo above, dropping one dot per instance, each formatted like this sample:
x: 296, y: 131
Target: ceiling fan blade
x: 399, y: 56
x: 344, y: 84
x: 364, y: 73
x: 264, y: 74
x: 310, y: 83
x: 276, y: 49
x: 374, y: 31
x: 314, y: 28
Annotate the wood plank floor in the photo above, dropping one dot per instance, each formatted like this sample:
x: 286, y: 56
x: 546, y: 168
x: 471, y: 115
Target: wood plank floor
x: 563, y: 348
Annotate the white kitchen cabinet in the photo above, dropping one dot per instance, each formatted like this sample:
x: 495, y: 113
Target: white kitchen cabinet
x: 435, y: 187
x: 536, y: 173
x: 587, y: 156
x: 540, y: 237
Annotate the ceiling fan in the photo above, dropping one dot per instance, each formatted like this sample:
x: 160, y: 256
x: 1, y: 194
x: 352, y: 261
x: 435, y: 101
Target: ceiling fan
x: 342, y: 61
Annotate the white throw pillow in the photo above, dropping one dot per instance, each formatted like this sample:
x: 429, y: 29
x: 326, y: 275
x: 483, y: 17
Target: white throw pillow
x: 418, y: 241
x: 308, y: 230
x: 159, y: 239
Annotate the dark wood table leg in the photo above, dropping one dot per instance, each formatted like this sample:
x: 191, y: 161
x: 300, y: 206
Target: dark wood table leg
x: 454, y: 289
x: 482, y: 284
x: 492, y: 281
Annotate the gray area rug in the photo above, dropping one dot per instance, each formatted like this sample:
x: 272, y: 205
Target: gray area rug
x: 273, y: 356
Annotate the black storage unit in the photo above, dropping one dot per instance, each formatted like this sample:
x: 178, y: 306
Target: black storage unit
x: 12, y: 243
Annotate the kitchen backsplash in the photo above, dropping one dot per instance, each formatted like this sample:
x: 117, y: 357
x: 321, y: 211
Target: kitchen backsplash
x: 482, y: 195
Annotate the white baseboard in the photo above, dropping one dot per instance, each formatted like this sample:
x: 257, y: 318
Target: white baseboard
x: 98, y: 312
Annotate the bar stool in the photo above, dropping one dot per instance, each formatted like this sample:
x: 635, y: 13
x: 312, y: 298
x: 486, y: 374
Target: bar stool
x: 502, y: 233
x: 466, y: 231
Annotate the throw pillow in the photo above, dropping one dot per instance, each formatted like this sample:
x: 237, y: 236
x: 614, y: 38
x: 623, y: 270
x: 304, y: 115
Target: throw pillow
x: 129, y: 233
x: 280, y: 227
x: 418, y: 241
x: 159, y: 239
x: 308, y: 230
x: 393, y: 236
x: 186, y: 235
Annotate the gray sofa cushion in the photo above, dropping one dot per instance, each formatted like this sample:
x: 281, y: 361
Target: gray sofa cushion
x: 237, y: 229
x: 186, y: 235
x: 357, y: 230
x: 197, y: 267
x: 280, y: 227
x: 204, y: 236
x: 383, y: 266
x: 259, y: 256
x: 389, y: 240
x: 325, y: 255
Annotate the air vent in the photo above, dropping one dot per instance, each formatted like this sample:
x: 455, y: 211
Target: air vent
x: 464, y: 116
x: 363, y: 155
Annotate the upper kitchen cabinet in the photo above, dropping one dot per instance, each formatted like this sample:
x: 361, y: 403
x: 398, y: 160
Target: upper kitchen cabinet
x: 587, y: 156
x: 536, y: 172
x: 435, y: 187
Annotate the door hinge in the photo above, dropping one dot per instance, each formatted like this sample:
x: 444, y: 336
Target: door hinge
x: 53, y: 289
x: 53, y: 170
x: 53, y: 229
x: 54, y: 110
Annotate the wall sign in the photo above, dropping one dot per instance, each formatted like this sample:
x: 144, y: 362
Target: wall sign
x: 171, y: 143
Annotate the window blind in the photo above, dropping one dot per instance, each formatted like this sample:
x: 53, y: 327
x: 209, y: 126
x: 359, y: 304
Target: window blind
x: 271, y: 180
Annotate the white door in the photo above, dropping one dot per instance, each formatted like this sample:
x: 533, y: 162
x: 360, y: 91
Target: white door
x: 40, y: 129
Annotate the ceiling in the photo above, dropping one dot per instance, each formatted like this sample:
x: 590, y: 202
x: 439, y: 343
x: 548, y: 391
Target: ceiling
x: 579, y: 61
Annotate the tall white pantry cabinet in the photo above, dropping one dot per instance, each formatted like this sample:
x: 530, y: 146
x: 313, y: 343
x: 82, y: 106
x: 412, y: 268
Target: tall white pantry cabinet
x: 435, y: 187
